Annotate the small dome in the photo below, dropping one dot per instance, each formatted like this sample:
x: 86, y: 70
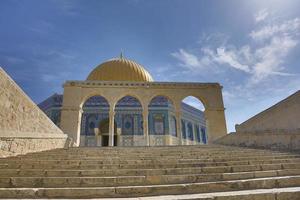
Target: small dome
x: 120, y: 69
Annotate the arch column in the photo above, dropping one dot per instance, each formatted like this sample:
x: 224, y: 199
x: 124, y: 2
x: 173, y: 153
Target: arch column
x: 98, y: 137
x: 111, y: 127
x: 178, y: 125
x: 194, y: 134
x: 145, y: 125
x: 70, y: 123
x: 186, y: 133
x: 215, y: 123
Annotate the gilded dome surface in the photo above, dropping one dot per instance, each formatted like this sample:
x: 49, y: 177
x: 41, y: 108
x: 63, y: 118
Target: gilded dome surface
x: 120, y: 69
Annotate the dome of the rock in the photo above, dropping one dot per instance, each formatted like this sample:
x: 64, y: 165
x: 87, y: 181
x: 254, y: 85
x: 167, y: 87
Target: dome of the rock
x: 120, y: 69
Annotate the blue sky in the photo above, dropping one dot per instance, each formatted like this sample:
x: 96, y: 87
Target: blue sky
x: 250, y: 47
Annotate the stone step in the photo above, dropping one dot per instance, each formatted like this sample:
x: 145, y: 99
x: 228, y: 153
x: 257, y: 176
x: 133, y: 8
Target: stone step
x: 84, y: 165
x: 141, y: 158
x: 151, y: 156
x: 136, y: 161
x: 146, y: 154
x: 114, y: 181
x: 151, y: 190
x: 157, y: 148
x: 143, y: 172
x: 291, y: 193
x: 146, y: 171
x: 118, y: 150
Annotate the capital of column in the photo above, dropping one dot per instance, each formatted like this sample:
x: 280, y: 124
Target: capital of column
x: 111, y: 112
x: 177, y: 112
x: 145, y: 112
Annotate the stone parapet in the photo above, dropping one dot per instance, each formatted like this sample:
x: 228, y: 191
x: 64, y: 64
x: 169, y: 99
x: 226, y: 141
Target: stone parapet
x: 283, y: 116
x: 23, y: 145
x: 266, y: 140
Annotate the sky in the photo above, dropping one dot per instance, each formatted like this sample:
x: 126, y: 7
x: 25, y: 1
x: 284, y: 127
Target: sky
x: 250, y: 47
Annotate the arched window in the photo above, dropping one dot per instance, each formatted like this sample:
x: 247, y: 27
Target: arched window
x: 95, y: 108
x: 91, y: 120
x: 127, y: 124
x: 160, y: 120
x: 128, y: 113
x: 92, y: 125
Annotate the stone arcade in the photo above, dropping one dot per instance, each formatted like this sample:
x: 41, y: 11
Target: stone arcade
x: 128, y: 121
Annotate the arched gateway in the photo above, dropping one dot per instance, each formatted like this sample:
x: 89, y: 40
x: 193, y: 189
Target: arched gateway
x: 121, y: 78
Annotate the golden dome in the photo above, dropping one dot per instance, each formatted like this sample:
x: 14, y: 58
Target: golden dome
x: 120, y: 69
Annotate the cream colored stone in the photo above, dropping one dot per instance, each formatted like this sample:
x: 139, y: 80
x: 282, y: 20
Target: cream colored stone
x: 23, y: 126
x: 281, y: 117
x: 77, y: 92
x: 288, y: 141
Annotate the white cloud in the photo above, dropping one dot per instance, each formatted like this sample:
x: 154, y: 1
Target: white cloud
x: 210, y: 57
x: 261, y: 15
x: 263, y: 57
x: 290, y: 27
x: 187, y: 59
x: 271, y: 57
x: 230, y: 58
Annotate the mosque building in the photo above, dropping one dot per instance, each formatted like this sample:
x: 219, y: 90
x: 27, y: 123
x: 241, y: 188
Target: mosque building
x: 128, y: 119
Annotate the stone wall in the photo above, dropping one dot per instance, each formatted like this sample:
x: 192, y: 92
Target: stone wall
x: 267, y: 140
x: 283, y: 116
x: 23, y: 126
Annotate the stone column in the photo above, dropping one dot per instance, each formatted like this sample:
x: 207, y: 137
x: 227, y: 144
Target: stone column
x: 200, y: 134
x: 194, y: 134
x: 70, y: 123
x: 178, y: 126
x: 71, y: 112
x: 111, y: 127
x: 97, y: 137
x: 215, y: 124
x: 186, y: 133
x: 145, y: 126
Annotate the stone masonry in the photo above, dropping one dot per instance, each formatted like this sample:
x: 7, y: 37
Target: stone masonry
x: 23, y: 126
x: 281, y: 117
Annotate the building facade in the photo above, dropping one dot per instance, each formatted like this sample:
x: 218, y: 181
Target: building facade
x: 129, y: 121
x: 120, y: 104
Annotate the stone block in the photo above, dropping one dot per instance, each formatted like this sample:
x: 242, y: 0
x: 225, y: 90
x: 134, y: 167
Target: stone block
x: 23, y: 126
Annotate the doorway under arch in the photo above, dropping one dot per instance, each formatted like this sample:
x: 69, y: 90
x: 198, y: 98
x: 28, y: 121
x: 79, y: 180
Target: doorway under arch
x: 104, y: 132
x: 95, y: 109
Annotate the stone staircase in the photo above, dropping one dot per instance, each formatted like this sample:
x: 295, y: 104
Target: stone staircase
x: 176, y: 172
